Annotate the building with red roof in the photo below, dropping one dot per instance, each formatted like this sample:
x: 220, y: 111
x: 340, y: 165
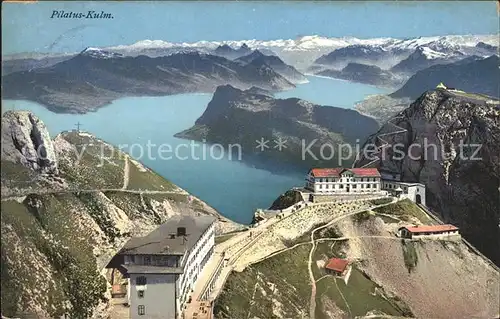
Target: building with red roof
x: 343, y: 180
x: 337, y: 266
x: 431, y: 231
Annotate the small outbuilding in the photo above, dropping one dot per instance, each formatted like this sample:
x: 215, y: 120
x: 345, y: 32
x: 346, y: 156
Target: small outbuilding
x: 427, y: 231
x: 337, y: 266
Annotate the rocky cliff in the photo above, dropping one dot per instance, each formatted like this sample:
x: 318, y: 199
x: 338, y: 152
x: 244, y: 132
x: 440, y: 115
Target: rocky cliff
x: 471, y: 74
x: 389, y: 277
x: 65, y: 216
x: 310, y: 134
x: 423, y: 144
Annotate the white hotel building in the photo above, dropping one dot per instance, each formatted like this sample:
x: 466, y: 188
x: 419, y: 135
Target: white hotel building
x: 164, y: 265
x: 343, y: 180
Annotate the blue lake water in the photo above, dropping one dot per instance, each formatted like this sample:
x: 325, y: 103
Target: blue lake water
x: 332, y: 92
x: 230, y: 186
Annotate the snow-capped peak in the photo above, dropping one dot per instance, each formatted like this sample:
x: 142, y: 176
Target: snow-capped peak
x: 431, y: 54
x: 99, y: 53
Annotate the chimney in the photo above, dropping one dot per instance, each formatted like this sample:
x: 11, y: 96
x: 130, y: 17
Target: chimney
x: 181, y: 231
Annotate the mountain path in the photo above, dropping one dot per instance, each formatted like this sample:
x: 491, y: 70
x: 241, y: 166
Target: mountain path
x: 70, y: 191
x: 313, y: 242
x: 126, y: 173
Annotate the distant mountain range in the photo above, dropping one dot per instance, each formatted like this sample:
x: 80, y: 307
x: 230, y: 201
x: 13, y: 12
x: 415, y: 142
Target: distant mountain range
x: 230, y: 53
x: 289, y: 72
x: 95, y: 77
x: 408, y: 55
x: 303, y: 51
x: 470, y: 74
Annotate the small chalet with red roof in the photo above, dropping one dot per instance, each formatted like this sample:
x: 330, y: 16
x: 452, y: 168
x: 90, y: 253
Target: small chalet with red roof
x: 427, y: 231
x: 343, y: 180
x: 337, y: 266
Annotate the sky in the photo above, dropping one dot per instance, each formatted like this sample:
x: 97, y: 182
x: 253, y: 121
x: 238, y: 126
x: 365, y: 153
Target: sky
x: 28, y: 27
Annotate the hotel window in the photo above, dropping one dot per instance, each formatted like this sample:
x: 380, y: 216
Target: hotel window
x: 141, y: 310
x: 140, y: 294
x: 140, y: 281
x: 354, y: 186
x: 147, y: 260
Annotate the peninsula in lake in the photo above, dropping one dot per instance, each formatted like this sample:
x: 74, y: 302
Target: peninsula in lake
x: 243, y: 117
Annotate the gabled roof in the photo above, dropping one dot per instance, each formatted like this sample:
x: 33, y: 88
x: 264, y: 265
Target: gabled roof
x: 336, y: 172
x: 326, y: 172
x: 337, y: 264
x: 161, y: 242
x: 430, y: 228
x: 370, y: 172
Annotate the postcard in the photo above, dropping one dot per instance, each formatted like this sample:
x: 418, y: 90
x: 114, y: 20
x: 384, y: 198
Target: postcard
x: 250, y: 159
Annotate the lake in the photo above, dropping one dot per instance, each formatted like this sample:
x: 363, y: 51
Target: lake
x: 333, y: 92
x: 233, y: 188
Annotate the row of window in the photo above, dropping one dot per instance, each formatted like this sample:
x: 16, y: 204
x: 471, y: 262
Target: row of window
x: 168, y: 261
x: 191, y: 268
x: 341, y: 186
x: 392, y: 186
x: 347, y: 179
x: 201, y: 265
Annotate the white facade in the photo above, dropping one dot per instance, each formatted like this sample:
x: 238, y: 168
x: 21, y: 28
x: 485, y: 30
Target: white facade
x: 405, y: 233
x: 160, y: 284
x: 413, y: 191
x: 194, y: 262
x: 346, y: 182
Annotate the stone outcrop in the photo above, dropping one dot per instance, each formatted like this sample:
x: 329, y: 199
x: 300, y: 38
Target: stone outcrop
x: 26, y: 140
x: 423, y: 144
x: 59, y: 231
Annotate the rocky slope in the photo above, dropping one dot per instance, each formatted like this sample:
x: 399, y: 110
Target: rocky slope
x: 471, y: 75
x: 389, y: 276
x: 381, y: 107
x: 66, y: 211
x: 241, y: 117
x: 96, y: 77
x: 422, y: 143
x: 424, y: 57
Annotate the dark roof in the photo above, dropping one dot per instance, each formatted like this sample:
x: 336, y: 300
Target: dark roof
x: 141, y: 269
x: 160, y: 242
